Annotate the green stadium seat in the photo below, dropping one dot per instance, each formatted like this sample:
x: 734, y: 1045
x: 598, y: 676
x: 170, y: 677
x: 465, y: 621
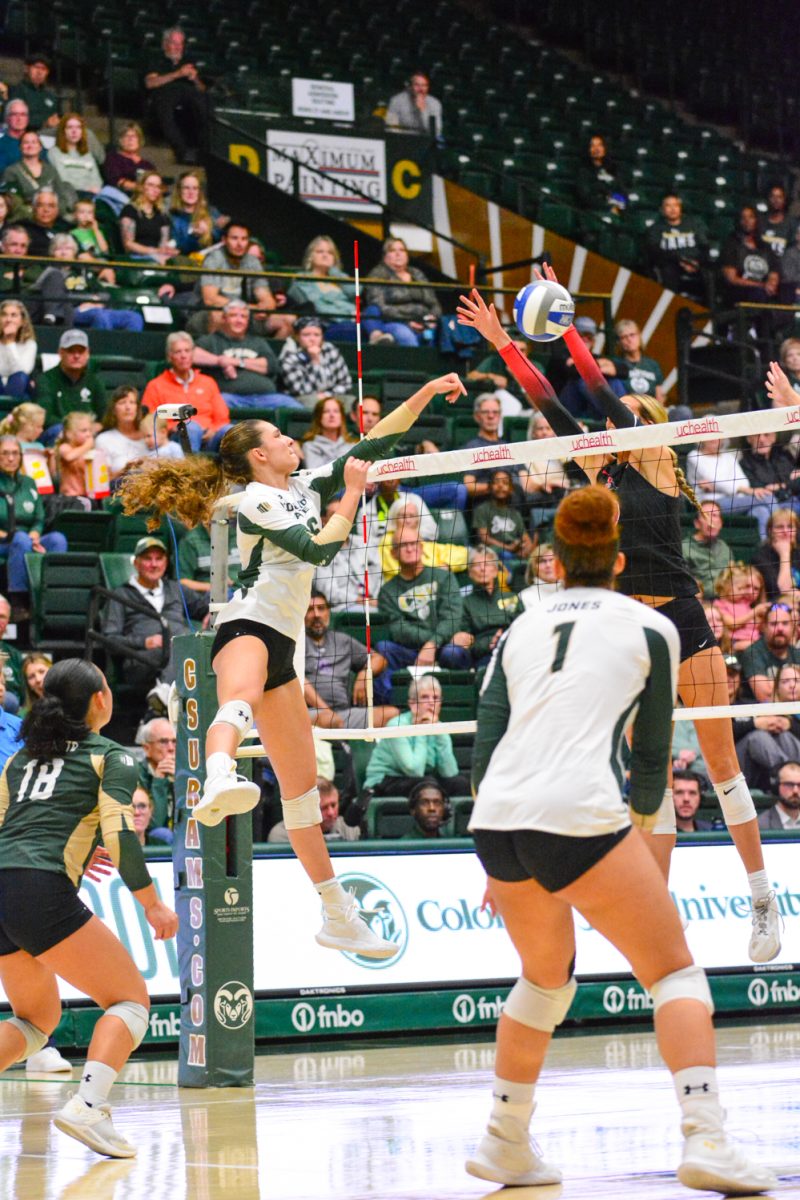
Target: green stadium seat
x: 559, y: 217
x: 115, y: 568
x: 354, y: 624
x: 462, y: 811
x: 452, y: 526
x: 88, y: 532
x: 60, y: 591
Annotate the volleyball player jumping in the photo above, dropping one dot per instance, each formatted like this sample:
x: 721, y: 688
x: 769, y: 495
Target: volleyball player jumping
x: 67, y: 785
x: 280, y: 542
x: 574, y: 674
x: 648, y: 485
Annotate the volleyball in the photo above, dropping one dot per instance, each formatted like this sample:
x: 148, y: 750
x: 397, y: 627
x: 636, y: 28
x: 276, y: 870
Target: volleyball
x: 543, y: 311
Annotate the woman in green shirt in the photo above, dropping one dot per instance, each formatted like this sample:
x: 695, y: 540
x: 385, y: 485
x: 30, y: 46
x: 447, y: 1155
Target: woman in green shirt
x: 21, y: 523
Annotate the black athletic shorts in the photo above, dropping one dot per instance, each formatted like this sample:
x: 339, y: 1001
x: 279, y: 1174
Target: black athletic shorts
x: 552, y: 859
x: 688, y: 616
x: 38, y: 909
x: 280, y: 649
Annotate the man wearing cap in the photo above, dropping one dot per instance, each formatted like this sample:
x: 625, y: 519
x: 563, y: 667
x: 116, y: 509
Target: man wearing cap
x: 243, y: 365
x: 70, y: 386
x: 135, y: 630
x: 41, y: 100
x: 16, y: 118
x: 181, y: 384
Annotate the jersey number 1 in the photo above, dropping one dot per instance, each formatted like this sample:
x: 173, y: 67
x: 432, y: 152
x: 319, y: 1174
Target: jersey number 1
x: 564, y: 633
x: 45, y: 782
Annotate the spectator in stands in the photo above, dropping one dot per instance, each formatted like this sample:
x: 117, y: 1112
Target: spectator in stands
x: 11, y: 662
x: 415, y: 110
x: 544, y: 481
x: 41, y: 101
x: 10, y: 727
x: 331, y: 658
x: 70, y: 386
x: 497, y: 523
x: 740, y: 600
x: 144, y: 223
x: 488, y: 608
x: 178, y: 94
x: 25, y: 177
x: 16, y: 244
x: 399, y: 763
x: 324, y: 296
x: 124, y: 166
x: 157, y: 440
x: 493, y: 371
x: 341, y: 582
x: 243, y: 364
x: 772, y: 740
x: 91, y: 240
x: 409, y: 510
x: 707, y: 554
x: 120, y: 440
x: 45, y: 222
x: 195, y: 225
x: 430, y: 807
x: 312, y: 368
x: 790, y: 275
x: 644, y: 375
x: 25, y: 422
x: 34, y: 668
x: 717, y: 473
x: 785, y: 814
x: 774, y: 649
x: 487, y: 414
x: 71, y: 156
x: 771, y: 473
x: 777, y: 228
x: 407, y: 311
x: 423, y: 608
x: 334, y: 825
x: 371, y: 410
x: 600, y: 186
x: 21, y: 523
x: 541, y: 580
x: 778, y: 558
x: 181, y: 384
x: 217, y: 290
x: 16, y: 122
x: 73, y: 451
x: 687, y: 796
x: 157, y: 771
x: 195, y: 558
x: 789, y: 359
x: 678, y: 248
x: 327, y: 436
x: 565, y: 378
x: 17, y: 348
x: 749, y: 268
x: 60, y: 286
x: 142, y: 813
x: 5, y: 212
x: 142, y: 631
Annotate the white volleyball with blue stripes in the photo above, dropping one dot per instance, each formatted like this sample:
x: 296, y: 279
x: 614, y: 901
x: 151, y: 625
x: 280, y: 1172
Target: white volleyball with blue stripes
x: 544, y: 311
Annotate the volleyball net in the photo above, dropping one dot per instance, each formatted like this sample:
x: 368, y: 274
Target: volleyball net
x: 482, y: 513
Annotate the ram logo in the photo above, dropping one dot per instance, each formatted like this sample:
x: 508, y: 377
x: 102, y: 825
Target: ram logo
x: 233, y: 1005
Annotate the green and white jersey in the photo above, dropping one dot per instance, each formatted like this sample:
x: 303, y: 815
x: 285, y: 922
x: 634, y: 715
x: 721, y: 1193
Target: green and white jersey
x: 568, y: 680
x: 53, y: 812
x: 281, y: 541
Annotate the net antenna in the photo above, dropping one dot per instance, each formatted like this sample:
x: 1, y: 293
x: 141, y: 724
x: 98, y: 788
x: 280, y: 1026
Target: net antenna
x: 365, y: 589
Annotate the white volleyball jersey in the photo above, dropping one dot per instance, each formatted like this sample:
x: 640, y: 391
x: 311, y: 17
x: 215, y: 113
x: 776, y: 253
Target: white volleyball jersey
x: 569, y: 678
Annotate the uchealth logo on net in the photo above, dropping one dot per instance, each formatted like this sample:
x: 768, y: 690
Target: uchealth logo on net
x: 382, y: 911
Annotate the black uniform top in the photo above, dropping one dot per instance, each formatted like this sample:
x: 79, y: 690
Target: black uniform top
x: 650, y: 537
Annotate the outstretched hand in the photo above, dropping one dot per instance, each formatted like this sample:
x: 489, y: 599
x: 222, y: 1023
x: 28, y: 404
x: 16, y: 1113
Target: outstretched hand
x: 448, y: 385
x: 547, y: 273
x: 473, y: 310
x: 779, y: 390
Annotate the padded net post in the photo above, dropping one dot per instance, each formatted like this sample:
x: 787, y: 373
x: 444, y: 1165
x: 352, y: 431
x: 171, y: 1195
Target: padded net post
x: 213, y: 899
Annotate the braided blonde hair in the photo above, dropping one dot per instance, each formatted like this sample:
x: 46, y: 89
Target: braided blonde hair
x: 654, y: 413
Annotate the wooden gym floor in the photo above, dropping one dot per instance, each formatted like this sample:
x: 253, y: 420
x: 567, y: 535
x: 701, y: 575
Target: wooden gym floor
x: 397, y: 1122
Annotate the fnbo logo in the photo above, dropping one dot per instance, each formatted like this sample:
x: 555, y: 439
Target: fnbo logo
x: 384, y: 914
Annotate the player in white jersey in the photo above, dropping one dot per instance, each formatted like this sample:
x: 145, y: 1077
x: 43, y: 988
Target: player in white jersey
x: 568, y: 680
x: 280, y: 540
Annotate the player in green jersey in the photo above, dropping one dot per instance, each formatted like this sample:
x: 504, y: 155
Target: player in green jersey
x: 68, y: 787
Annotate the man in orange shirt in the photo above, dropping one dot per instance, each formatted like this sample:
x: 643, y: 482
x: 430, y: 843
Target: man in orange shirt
x: 182, y: 384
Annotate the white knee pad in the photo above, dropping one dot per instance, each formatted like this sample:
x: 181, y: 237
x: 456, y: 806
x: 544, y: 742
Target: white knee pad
x: 665, y: 817
x: 35, y: 1040
x: 135, y: 1016
x: 539, y: 1008
x: 735, y: 800
x: 303, y: 811
x: 237, y: 713
x: 690, y: 983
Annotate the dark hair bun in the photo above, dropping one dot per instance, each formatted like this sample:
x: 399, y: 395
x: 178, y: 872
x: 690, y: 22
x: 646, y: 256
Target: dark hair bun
x: 588, y: 517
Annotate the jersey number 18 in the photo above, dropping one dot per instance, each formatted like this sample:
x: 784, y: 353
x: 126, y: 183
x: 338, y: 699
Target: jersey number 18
x: 45, y: 782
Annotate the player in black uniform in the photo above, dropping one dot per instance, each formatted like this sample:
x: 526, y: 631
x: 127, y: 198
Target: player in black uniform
x: 68, y: 786
x: 648, y: 485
